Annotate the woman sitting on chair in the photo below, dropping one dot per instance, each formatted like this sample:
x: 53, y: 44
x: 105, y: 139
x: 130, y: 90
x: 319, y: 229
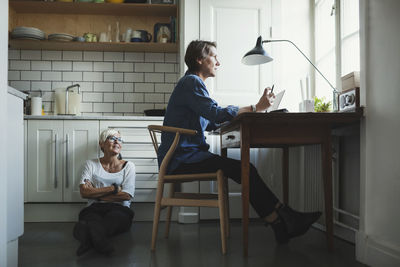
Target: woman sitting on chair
x: 109, y: 184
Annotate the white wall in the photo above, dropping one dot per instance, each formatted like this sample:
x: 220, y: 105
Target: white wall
x: 3, y: 110
x: 378, y: 242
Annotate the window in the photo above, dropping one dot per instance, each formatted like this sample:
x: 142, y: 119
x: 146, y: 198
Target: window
x: 337, y: 44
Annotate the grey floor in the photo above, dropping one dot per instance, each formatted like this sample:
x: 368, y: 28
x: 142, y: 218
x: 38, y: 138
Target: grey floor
x: 192, y: 245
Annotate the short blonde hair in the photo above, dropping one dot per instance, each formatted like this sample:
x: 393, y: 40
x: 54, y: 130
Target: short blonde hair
x: 106, y: 133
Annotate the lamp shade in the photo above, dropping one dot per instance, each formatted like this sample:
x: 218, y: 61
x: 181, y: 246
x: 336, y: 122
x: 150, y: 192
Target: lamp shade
x: 257, y: 55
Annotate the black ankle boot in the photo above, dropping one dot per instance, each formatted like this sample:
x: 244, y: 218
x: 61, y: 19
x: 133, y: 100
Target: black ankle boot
x: 297, y: 223
x: 281, y: 234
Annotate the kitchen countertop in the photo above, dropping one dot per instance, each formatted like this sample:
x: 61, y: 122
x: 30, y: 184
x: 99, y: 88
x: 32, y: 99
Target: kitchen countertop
x: 112, y: 118
x: 17, y: 93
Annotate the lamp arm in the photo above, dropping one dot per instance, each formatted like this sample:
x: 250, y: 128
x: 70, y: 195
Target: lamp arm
x: 283, y: 40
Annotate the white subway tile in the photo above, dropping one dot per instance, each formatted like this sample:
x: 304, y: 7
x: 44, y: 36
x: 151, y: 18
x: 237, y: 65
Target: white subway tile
x: 154, y: 57
x: 103, y: 66
x: 166, y: 98
x: 123, y: 67
x: 160, y: 106
x: 72, y: 76
x: 134, y: 56
x: 92, y: 97
x: 177, y: 68
x: 103, y: 107
x: 140, y: 107
x: 164, y: 67
x: 56, y: 85
x: 144, y: 67
x: 14, y: 54
x: 154, y: 77
x: 133, y: 77
x: 93, y: 76
x: 44, y: 86
x: 113, y: 77
x: 144, y: 87
x: 113, y: 56
x: 133, y: 97
x: 123, y: 107
x: 72, y: 55
x: 164, y: 87
x: 171, y: 77
x: 41, y: 65
x: 51, y: 55
x: 86, y: 86
x: 86, y: 107
x: 62, y: 65
x: 31, y: 54
x: 171, y: 57
x: 92, y: 56
x: 103, y: 87
x: 21, y: 85
x: 14, y: 75
x: 82, y: 66
x: 113, y: 97
x: 30, y: 75
x: 19, y: 65
x: 123, y: 87
x: 154, y: 98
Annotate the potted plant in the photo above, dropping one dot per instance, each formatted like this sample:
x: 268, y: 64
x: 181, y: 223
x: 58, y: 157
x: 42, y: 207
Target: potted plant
x: 321, y: 106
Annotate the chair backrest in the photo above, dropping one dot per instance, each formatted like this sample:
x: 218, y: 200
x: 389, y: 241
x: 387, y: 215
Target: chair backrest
x: 153, y: 130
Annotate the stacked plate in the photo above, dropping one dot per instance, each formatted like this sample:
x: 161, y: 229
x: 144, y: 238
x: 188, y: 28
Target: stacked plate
x: 61, y: 37
x: 27, y: 33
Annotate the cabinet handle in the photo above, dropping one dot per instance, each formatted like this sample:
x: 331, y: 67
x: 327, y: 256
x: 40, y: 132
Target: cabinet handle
x: 55, y: 162
x: 66, y: 161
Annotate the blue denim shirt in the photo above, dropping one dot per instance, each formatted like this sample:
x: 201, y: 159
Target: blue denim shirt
x: 191, y: 107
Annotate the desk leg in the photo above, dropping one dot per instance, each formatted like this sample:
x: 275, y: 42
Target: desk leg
x: 285, y: 174
x: 245, y: 161
x: 326, y: 148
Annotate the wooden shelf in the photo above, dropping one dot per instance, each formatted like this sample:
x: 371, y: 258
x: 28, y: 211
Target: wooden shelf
x: 81, y: 46
x: 77, y: 8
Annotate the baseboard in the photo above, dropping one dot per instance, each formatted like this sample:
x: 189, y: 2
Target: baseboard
x: 68, y: 212
x: 376, y: 253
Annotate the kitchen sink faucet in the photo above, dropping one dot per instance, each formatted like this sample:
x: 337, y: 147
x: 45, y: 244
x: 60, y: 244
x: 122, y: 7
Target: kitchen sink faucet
x: 66, y: 95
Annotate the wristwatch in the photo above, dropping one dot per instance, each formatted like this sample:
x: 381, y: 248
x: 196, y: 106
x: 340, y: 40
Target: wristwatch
x: 253, y: 108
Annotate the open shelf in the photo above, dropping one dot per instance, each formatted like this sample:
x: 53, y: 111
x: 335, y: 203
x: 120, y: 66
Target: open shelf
x: 93, y: 8
x: 82, y: 46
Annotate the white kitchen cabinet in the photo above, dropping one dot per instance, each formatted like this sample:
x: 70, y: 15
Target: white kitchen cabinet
x: 57, y: 151
x: 138, y: 148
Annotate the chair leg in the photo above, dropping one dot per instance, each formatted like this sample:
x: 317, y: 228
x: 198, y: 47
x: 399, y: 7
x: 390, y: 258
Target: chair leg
x: 227, y: 215
x: 169, y: 211
x: 222, y: 209
x: 157, y: 209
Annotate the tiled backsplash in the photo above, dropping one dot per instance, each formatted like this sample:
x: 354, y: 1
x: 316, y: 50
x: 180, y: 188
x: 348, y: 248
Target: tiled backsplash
x: 112, y: 83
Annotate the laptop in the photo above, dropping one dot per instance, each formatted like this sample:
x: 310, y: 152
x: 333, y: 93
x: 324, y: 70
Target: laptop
x: 277, y: 102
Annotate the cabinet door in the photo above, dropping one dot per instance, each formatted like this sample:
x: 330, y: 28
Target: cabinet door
x: 80, y: 142
x: 44, y: 161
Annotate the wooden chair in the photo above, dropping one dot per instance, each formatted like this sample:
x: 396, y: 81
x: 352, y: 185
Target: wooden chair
x: 176, y: 198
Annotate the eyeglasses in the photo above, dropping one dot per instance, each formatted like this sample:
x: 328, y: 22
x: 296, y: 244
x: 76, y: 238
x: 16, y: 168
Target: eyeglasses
x: 114, y: 138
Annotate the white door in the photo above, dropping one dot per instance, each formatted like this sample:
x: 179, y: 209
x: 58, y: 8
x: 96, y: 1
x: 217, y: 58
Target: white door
x: 80, y: 144
x: 235, y: 26
x: 44, y: 158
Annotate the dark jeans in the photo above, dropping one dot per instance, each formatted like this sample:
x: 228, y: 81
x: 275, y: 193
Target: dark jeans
x: 261, y: 197
x: 109, y: 219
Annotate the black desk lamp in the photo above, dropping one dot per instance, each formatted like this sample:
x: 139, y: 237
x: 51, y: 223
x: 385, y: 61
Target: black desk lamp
x: 258, y: 55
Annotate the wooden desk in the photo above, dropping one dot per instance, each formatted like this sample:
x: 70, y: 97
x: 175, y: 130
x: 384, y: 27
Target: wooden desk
x: 283, y: 130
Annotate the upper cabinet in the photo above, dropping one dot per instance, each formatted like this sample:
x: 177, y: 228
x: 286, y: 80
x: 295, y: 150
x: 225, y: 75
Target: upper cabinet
x: 78, y: 18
